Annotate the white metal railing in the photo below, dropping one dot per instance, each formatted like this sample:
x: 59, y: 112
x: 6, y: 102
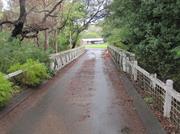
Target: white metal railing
x: 58, y: 60
x: 165, y: 97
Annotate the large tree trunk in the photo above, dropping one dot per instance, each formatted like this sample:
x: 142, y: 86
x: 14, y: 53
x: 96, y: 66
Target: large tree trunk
x: 74, y: 44
x: 36, y: 41
x: 19, y: 24
x: 75, y: 39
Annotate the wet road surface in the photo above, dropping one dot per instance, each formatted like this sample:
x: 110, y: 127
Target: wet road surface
x: 86, y: 97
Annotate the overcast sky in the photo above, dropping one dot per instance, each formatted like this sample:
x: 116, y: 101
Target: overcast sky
x: 5, y: 4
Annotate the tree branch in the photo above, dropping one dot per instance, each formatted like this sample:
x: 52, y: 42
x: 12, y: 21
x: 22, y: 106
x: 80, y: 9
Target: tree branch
x: 7, y: 22
x: 52, y: 10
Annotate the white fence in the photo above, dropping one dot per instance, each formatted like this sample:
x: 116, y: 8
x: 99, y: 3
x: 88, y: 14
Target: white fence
x: 58, y: 60
x: 164, y: 96
x: 61, y: 59
x: 13, y: 74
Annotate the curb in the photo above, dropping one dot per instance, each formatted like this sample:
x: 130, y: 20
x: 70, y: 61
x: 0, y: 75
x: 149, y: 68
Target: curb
x: 16, y: 101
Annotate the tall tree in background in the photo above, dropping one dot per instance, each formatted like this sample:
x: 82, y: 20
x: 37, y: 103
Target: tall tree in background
x: 151, y: 29
x: 51, y: 16
x: 34, y: 16
x: 93, y: 10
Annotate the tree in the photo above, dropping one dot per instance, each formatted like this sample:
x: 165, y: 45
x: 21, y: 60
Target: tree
x: 28, y: 26
x: 151, y: 30
x: 52, y: 16
x: 93, y: 10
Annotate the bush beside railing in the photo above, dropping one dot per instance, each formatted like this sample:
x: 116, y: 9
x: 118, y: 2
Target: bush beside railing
x: 58, y: 60
x: 166, y: 98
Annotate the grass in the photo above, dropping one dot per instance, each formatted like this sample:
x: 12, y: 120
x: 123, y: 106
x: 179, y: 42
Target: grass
x: 97, y: 46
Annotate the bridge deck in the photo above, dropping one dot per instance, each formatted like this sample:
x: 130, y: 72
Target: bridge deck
x: 86, y: 97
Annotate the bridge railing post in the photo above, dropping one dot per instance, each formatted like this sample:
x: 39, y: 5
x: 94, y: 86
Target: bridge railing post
x: 121, y: 61
x: 127, y: 64
x: 154, y: 78
x: 168, y: 98
x: 124, y: 62
x: 135, y: 64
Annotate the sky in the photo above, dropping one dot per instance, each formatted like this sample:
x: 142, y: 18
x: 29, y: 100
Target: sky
x: 5, y: 4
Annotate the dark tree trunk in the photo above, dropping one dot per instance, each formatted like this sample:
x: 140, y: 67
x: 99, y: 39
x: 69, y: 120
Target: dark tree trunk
x: 37, y: 41
x: 75, y: 39
x: 19, y: 24
x: 73, y: 45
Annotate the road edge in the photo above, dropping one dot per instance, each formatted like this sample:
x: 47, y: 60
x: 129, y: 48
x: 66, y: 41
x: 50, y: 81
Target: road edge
x: 151, y: 123
x: 25, y: 94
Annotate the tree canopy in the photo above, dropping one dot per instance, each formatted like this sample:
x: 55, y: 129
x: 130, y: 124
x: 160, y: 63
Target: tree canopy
x: 32, y: 29
x: 26, y: 19
x: 150, y: 29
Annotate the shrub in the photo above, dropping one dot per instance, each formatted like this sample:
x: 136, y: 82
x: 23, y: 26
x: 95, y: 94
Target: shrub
x: 63, y: 42
x: 14, y: 51
x: 34, y: 72
x: 5, y: 90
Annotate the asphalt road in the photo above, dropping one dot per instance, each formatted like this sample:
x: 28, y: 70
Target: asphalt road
x: 86, y: 97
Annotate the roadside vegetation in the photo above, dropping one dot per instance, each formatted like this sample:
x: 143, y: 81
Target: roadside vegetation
x: 33, y: 74
x: 32, y: 30
x: 151, y: 30
x: 5, y: 90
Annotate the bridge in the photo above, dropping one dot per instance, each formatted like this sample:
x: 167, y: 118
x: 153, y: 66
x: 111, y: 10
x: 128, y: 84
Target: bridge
x: 93, y: 92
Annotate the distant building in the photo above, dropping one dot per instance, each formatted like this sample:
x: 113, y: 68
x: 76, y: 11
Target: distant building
x: 92, y: 41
